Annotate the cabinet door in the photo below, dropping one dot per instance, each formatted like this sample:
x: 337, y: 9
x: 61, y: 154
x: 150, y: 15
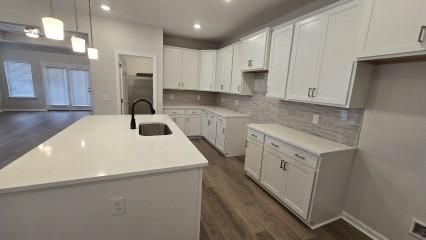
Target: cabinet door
x: 172, y: 67
x: 190, y: 69
x: 224, y: 69
x: 304, y: 59
x: 236, y: 70
x: 338, y: 55
x: 297, y: 187
x: 220, y: 137
x: 193, y: 125
x: 259, y: 52
x: 211, y: 132
x: 204, y: 125
x: 279, y: 61
x: 179, y: 119
x: 392, y: 26
x: 253, y: 159
x: 207, y: 71
x: 272, y: 173
x: 246, y: 54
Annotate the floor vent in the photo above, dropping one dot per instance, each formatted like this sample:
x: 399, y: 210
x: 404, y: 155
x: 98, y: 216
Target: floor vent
x: 418, y: 229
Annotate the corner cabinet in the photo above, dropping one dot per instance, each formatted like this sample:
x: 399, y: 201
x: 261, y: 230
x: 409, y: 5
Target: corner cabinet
x: 181, y: 68
x: 224, y: 69
x: 297, y: 169
x: 323, y: 67
x: 393, y: 27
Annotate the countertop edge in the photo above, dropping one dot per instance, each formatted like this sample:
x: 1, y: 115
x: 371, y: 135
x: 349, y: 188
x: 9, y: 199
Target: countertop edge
x: 66, y: 183
x: 208, y: 108
x: 254, y: 127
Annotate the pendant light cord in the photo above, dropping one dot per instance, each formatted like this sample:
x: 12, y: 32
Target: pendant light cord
x: 90, y: 18
x: 51, y: 8
x: 75, y: 16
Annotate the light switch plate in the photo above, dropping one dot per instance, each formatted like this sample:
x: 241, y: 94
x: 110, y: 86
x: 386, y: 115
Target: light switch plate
x: 172, y: 96
x: 221, y: 99
x: 315, y: 119
x: 118, y: 206
x: 236, y: 102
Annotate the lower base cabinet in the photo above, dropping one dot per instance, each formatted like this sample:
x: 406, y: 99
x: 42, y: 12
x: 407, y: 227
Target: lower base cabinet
x: 311, y: 184
x: 220, y: 137
x: 193, y: 125
x: 179, y: 119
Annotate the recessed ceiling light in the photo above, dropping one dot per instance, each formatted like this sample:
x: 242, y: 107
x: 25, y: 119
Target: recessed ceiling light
x: 228, y: 0
x: 197, y: 26
x: 105, y: 7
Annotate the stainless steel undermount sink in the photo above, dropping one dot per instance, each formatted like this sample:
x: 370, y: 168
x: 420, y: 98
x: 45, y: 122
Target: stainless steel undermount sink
x: 154, y: 129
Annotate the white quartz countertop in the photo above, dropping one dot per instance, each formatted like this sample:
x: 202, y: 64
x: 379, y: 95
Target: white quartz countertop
x: 305, y: 141
x: 224, y: 112
x: 101, y: 147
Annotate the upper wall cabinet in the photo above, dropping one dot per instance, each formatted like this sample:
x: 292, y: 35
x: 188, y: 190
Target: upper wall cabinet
x: 224, y: 69
x: 393, y: 27
x: 255, y: 51
x: 279, y: 61
x: 241, y: 83
x: 323, y: 69
x: 208, y: 71
x: 181, y: 68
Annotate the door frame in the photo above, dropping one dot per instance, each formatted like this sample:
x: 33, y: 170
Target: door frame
x: 67, y: 67
x: 118, y: 82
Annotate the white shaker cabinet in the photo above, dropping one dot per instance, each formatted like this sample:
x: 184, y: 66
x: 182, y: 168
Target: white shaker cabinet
x: 279, y: 61
x: 179, y: 119
x: 207, y: 70
x: 241, y: 83
x: 193, y: 125
x: 305, y: 59
x: 255, y: 51
x: 224, y: 69
x: 254, y: 153
x: 393, y: 27
x: 172, y: 68
x: 190, y: 69
x: 272, y: 171
x: 220, y: 137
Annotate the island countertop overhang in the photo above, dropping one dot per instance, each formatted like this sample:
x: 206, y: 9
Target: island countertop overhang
x: 99, y: 148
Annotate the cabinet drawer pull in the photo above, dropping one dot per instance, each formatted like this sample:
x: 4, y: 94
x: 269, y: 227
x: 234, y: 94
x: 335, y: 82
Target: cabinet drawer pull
x: 281, y: 164
x: 254, y: 135
x: 301, y: 157
x: 275, y: 145
x: 285, y: 166
x: 421, y: 34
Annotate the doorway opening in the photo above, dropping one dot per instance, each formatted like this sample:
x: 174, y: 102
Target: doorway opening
x: 136, y: 77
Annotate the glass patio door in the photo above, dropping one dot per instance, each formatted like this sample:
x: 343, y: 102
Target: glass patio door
x: 67, y: 88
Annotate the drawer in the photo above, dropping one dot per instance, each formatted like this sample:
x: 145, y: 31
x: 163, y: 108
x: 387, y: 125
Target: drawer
x: 255, y: 136
x: 193, y: 111
x: 295, y: 153
x: 221, y: 120
x: 212, y: 116
x: 174, y: 111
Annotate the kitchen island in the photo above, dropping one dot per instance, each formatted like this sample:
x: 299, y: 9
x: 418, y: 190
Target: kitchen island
x: 98, y: 179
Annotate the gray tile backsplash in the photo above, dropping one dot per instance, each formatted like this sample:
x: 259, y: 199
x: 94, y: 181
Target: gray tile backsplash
x: 337, y: 124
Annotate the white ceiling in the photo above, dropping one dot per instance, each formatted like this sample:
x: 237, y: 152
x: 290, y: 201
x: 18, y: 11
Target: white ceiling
x: 220, y: 20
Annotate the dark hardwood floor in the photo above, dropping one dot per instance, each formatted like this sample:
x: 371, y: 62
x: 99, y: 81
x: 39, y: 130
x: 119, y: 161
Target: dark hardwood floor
x: 22, y: 131
x: 235, y: 207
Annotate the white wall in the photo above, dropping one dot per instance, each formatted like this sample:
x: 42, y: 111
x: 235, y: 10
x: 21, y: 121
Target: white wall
x: 388, y: 181
x: 110, y: 35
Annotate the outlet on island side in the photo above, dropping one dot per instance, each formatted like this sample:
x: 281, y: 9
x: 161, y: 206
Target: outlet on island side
x: 198, y: 97
x: 118, y: 206
x: 315, y: 119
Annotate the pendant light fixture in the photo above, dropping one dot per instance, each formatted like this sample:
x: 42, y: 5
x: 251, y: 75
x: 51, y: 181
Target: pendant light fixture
x: 53, y: 27
x: 92, y: 52
x: 78, y: 44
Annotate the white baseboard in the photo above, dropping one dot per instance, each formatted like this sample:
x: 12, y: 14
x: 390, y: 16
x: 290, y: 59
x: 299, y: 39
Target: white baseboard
x: 24, y: 110
x: 362, y: 227
x: 325, y: 223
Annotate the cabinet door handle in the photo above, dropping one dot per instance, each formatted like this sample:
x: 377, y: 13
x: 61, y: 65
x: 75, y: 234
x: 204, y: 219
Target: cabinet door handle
x: 309, y: 92
x: 187, y: 119
x: 421, y: 34
x: 281, y: 164
x: 208, y: 122
x: 275, y: 145
x: 238, y: 88
x: 313, y: 92
x: 254, y: 135
x: 285, y: 166
x: 301, y: 157
x: 246, y: 143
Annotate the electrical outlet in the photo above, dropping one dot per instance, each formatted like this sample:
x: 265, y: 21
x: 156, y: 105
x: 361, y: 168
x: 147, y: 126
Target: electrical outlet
x: 118, y: 206
x: 221, y: 99
x: 236, y: 102
x: 315, y: 119
x: 198, y: 97
x: 172, y: 96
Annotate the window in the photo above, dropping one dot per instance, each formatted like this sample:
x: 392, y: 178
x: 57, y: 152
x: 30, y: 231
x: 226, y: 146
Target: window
x: 19, y: 79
